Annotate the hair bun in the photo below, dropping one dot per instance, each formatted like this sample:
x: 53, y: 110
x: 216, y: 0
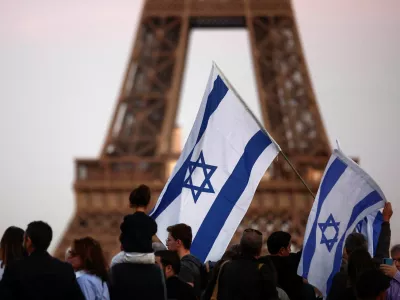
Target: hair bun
x: 143, y: 191
x: 140, y: 196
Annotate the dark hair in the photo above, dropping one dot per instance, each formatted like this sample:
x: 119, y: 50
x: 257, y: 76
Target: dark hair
x: 371, y: 283
x: 181, y: 232
x: 40, y: 234
x: 11, y: 247
x: 359, y: 261
x: 278, y: 240
x: 355, y: 241
x: 91, y: 253
x: 251, y: 242
x: 232, y: 252
x: 395, y: 248
x: 170, y: 258
x: 140, y: 196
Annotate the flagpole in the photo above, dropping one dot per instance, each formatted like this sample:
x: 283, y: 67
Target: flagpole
x: 262, y: 128
x: 297, y: 173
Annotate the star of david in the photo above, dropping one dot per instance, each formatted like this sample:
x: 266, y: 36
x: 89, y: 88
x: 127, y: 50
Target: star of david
x: 205, y: 186
x: 330, y: 222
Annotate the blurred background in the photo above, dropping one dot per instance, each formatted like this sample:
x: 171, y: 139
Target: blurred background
x: 62, y: 64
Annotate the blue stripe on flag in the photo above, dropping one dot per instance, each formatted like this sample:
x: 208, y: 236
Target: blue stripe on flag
x: 359, y: 226
x: 336, y: 169
x: 214, y: 99
x: 371, y: 199
x: 228, y: 196
x: 174, y: 188
x: 376, y: 229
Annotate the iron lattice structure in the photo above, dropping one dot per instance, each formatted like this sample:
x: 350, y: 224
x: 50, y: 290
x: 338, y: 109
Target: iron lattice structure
x: 139, y: 145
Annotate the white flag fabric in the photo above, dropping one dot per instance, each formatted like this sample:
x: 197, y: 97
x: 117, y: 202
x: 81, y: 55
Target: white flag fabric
x: 347, y: 194
x: 371, y: 227
x: 216, y: 176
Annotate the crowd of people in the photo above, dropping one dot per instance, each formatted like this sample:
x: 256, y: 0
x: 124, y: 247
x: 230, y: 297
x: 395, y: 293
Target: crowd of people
x: 145, y: 269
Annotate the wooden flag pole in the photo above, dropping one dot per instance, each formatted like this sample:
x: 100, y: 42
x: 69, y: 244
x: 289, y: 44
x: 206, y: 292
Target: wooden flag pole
x: 297, y: 173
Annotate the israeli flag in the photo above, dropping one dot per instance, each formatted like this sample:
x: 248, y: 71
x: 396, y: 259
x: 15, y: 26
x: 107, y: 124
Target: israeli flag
x: 216, y: 176
x: 371, y: 227
x: 346, y: 195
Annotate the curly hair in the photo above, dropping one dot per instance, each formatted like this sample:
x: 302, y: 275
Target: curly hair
x: 92, y: 256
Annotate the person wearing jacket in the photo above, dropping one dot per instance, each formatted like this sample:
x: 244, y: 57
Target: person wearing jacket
x: 39, y: 276
x: 286, y: 264
x: 192, y: 269
x: 170, y: 263
x: 245, y: 277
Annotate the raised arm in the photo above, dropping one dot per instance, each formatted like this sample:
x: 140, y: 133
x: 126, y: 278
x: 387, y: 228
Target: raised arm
x: 382, y: 249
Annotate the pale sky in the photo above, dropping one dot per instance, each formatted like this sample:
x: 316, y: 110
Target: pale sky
x: 62, y: 64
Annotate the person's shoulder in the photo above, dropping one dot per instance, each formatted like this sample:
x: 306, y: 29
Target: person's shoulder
x: 130, y: 266
x: 341, y: 275
x: 191, y: 258
x: 264, y: 259
x: 64, y: 266
x: 184, y: 289
x: 148, y: 219
x: 129, y: 217
x: 17, y: 264
x: 191, y: 262
x: 265, y: 263
x: 138, y: 217
x: 88, y: 278
x: 173, y: 282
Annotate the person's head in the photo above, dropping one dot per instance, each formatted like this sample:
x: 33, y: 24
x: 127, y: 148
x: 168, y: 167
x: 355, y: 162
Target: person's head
x: 251, y: 243
x: 11, y: 245
x: 232, y: 252
x: 279, y: 243
x: 86, y: 254
x: 169, y: 262
x: 354, y: 241
x: 372, y: 285
x: 140, y: 197
x: 359, y: 261
x: 395, y: 254
x: 179, y: 238
x: 38, y: 236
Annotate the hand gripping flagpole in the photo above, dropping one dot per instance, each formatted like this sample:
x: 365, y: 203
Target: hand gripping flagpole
x: 262, y: 128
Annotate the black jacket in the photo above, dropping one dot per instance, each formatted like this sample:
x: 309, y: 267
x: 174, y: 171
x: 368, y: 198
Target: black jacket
x: 287, y: 278
x: 241, y: 279
x: 137, y: 231
x: 212, y: 281
x: 137, y: 281
x: 191, y: 272
x: 39, y: 276
x: 179, y: 290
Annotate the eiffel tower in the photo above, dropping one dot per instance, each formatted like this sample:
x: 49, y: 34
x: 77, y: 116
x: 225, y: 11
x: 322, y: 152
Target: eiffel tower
x: 140, y: 144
